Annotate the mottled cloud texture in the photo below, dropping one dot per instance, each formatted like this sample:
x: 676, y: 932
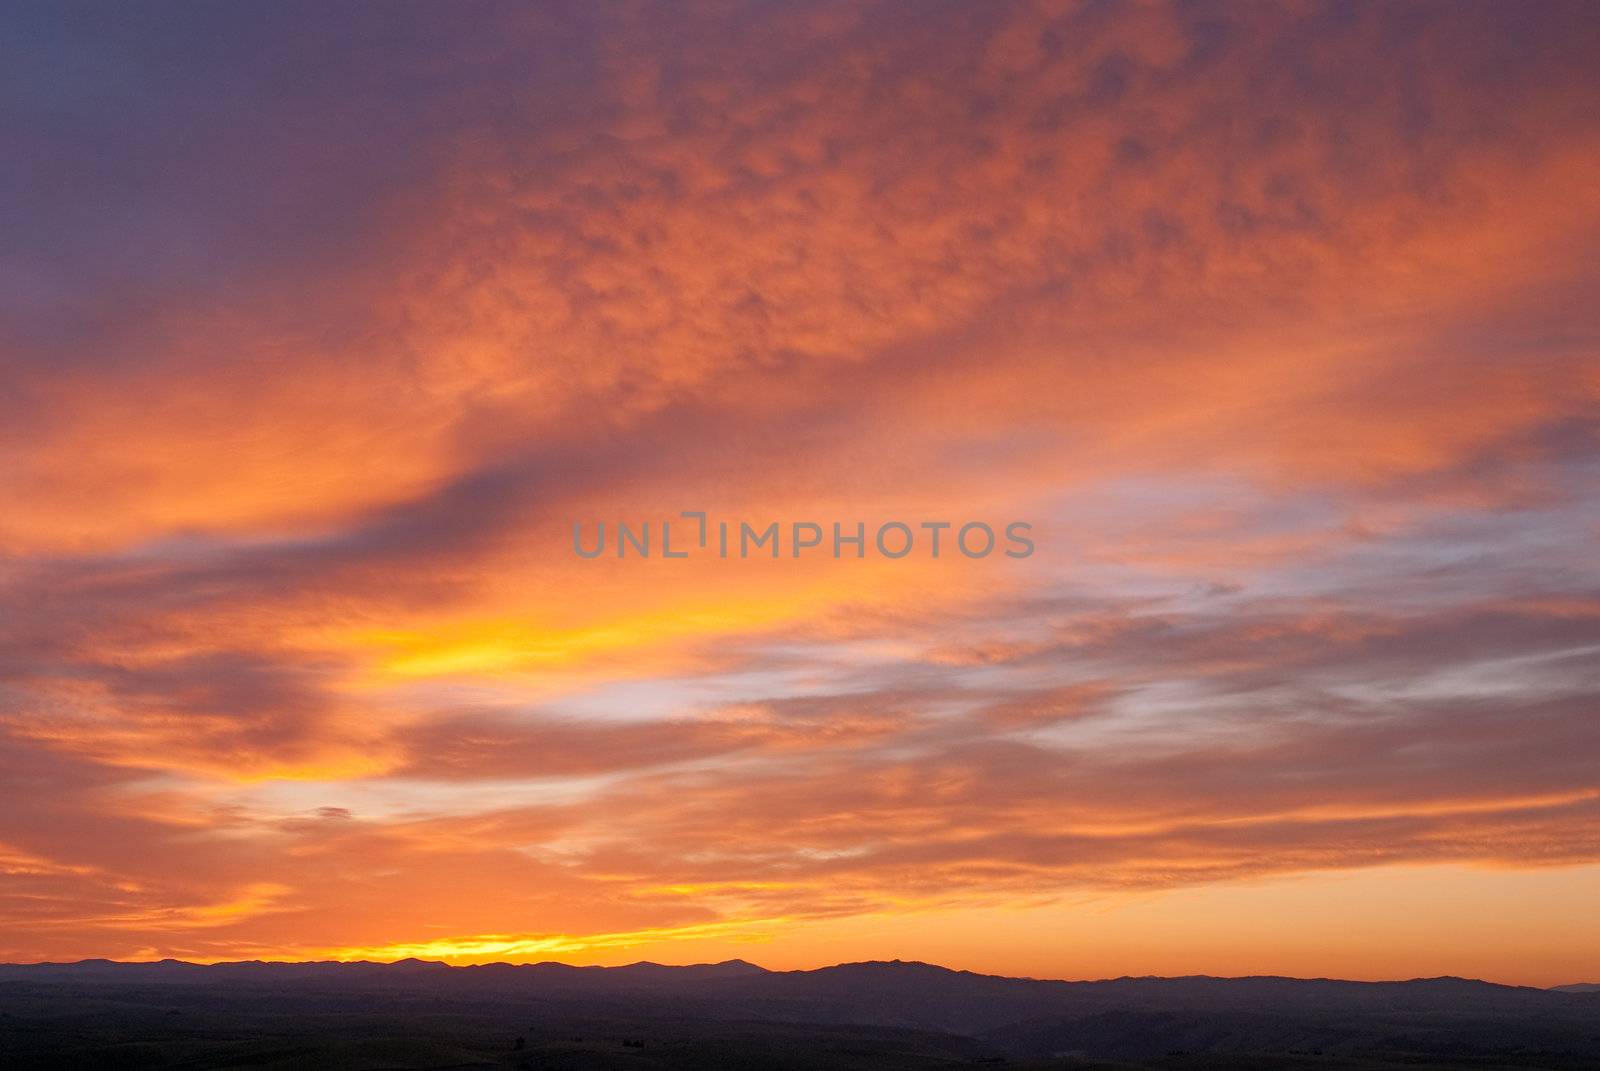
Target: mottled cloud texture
x: 320, y: 326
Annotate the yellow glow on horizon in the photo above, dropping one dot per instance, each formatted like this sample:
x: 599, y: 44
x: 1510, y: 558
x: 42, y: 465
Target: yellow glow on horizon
x: 487, y: 948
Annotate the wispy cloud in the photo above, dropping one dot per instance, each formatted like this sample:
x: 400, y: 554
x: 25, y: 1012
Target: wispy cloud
x: 320, y: 333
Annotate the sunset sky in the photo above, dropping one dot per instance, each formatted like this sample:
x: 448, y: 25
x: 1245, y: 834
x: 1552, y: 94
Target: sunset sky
x: 320, y: 326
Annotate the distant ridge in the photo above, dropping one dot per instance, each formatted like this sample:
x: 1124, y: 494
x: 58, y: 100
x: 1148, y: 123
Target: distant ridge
x: 730, y: 968
x: 1119, y: 1018
x: 911, y: 992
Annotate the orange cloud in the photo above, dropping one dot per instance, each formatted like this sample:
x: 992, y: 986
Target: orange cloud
x: 1275, y: 324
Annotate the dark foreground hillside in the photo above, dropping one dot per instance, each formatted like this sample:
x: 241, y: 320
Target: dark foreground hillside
x: 736, y: 1015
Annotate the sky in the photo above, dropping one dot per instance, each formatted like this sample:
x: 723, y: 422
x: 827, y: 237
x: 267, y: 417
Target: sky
x: 322, y: 325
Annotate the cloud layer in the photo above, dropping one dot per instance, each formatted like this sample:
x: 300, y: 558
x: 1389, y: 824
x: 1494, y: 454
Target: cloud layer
x: 321, y: 329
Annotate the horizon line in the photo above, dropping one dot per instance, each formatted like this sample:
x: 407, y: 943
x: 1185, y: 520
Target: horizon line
x: 435, y: 963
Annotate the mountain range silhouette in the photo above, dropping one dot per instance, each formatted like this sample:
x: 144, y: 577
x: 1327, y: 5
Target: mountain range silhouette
x: 735, y: 1013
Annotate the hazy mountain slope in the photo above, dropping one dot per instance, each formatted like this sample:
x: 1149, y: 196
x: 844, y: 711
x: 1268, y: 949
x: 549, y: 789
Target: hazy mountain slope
x: 1442, y: 1022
